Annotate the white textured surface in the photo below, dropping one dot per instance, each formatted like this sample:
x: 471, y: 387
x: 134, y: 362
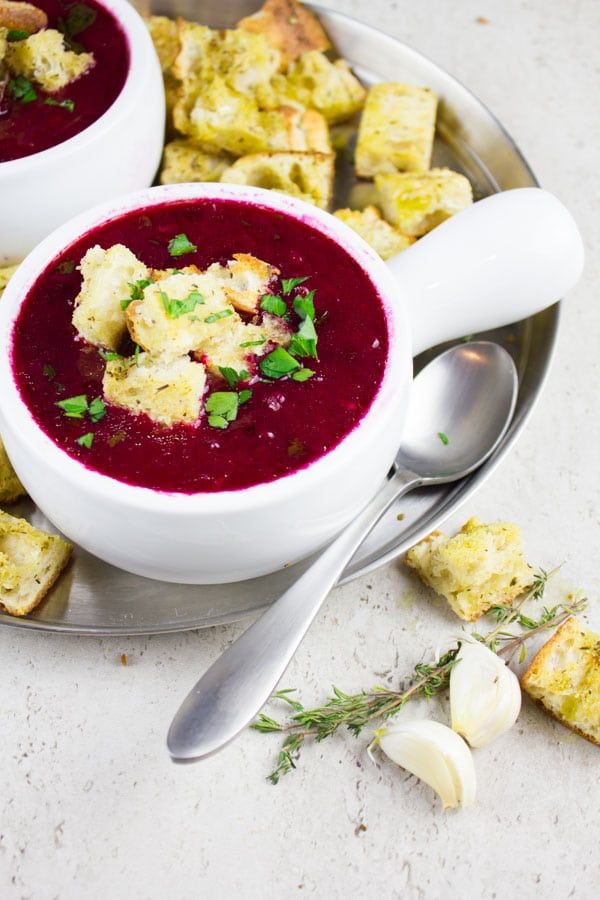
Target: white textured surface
x: 91, y: 807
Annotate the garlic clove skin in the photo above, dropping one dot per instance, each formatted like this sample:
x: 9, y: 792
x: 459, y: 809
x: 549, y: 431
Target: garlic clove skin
x: 485, y: 695
x: 436, y: 755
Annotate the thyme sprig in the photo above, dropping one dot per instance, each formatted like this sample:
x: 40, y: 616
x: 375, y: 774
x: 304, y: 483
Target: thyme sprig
x: 354, y: 711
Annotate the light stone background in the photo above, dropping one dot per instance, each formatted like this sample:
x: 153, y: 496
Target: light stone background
x: 91, y: 806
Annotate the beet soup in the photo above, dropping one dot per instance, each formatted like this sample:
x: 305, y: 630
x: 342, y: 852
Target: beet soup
x: 284, y: 421
x: 32, y: 120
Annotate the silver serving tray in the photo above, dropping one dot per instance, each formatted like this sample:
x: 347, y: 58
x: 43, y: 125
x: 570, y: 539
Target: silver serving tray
x: 94, y: 598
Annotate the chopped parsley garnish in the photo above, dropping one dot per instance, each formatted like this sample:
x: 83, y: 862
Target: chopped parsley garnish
x: 97, y: 409
x: 222, y: 314
x: 305, y: 306
x: 222, y: 407
x: 109, y: 355
x: 176, y: 308
x: 136, y: 291
x: 136, y: 354
x: 278, y: 364
x: 302, y: 374
x: 66, y: 267
x: 288, y: 284
x: 86, y: 440
x: 22, y: 90
x: 78, y: 18
x: 244, y: 396
x: 232, y: 376
x: 443, y: 438
x: 115, y: 439
x: 254, y: 343
x: 74, y: 407
x: 64, y: 104
x: 274, y: 305
x: 304, y: 342
x: 49, y: 372
x: 16, y: 34
x: 181, y: 244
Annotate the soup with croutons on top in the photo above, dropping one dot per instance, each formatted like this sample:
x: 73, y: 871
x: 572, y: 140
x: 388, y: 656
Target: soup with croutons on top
x: 200, y: 346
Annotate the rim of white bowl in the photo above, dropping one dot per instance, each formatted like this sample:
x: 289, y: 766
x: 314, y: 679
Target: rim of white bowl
x: 394, y: 384
x: 141, y: 53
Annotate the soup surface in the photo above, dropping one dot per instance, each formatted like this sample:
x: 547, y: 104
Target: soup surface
x: 286, y: 424
x: 30, y: 125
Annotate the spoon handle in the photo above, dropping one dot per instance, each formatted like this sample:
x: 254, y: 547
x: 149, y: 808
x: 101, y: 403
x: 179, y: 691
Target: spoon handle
x: 239, y: 683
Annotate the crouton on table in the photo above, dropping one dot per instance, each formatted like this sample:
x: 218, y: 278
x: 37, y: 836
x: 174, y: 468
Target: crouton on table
x: 10, y: 486
x: 184, y: 162
x: 308, y: 176
x: 289, y: 27
x: 368, y: 223
x: 418, y: 202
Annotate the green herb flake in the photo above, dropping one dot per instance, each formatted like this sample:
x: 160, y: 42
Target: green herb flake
x: 274, y: 305
x: 109, y: 355
x: 86, y: 440
x: 115, y: 439
x: 63, y: 104
x: 288, y: 284
x: 180, y: 245
x: 176, y: 308
x: 443, y: 438
x: 136, y: 354
x: 278, y: 364
x: 244, y: 396
x: 74, y: 407
x: 302, y: 374
x: 222, y: 314
x: 66, y: 267
x: 218, y: 422
x: 16, y: 34
x: 49, y: 372
x: 304, y: 342
x: 254, y: 343
x: 97, y: 409
x: 136, y: 291
x: 232, y: 376
x: 78, y: 18
x: 305, y: 307
x: 22, y: 90
x: 222, y: 406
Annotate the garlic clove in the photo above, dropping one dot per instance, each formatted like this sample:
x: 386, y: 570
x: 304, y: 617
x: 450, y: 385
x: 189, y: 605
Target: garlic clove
x: 485, y: 695
x: 436, y: 755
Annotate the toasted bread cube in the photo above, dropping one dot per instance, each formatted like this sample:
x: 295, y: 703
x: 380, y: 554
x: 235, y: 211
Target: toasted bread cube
x: 418, y: 202
x: 245, y: 279
x: 183, y: 162
x: 308, y: 176
x: 21, y: 17
x: 480, y: 567
x: 3, y: 42
x: 6, y: 273
x: 240, y: 346
x: 289, y: 27
x: 167, y: 391
x: 30, y: 563
x: 383, y: 237
x: 163, y: 32
x: 564, y: 677
x: 160, y: 327
x: 107, y: 275
x: 43, y: 58
x: 396, y: 130
x: 329, y: 87
x: 10, y: 486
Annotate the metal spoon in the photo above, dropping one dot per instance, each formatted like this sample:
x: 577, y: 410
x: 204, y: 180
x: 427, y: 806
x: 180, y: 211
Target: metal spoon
x: 460, y: 407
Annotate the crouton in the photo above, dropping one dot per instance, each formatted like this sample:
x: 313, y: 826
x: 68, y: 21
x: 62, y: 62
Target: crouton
x: 167, y: 391
x: 329, y: 87
x: 178, y: 313
x: 383, y: 237
x: 244, y: 280
x: 396, y: 130
x: 564, y: 678
x: 21, y: 17
x: 308, y: 176
x: 163, y: 32
x: 481, y: 566
x: 6, y: 273
x: 315, y: 132
x: 43, y: 58
x: 107, y: 277
x: 10, y: 486
x: 239, y: 346
x: 30, y: 563
x: 289, y: 27
x: 417, y: 202
x: 184, y: 162
x: 3, y: 48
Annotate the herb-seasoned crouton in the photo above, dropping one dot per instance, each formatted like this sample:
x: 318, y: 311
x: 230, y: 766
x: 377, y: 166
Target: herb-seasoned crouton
x: 240, y: 345
x: 308, y: 176
x: 184, y: 162
x: 3, y: 45
x: 244, y: 280
x: 107, y: 279
x: 289, y: 27
x: 329, y: 87
x: 168, y: 392
x: 178, y: 313
x: 30, y: 563
x: 383, y: 237
x: 481, y: 566
x: 10, y: 486
x: 417, y: 202
x: 564, y: 677
x: 396, y: 130
x: 21, y: 17
x: 6, y: 273
x: 163, y: 32
x: 43, y: 58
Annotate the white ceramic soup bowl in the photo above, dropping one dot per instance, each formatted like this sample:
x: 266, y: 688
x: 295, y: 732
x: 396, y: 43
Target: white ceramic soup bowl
x: 505, y: 258
x: 118, y: 153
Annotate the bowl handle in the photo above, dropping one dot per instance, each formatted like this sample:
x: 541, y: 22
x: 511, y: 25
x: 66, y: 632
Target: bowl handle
x: 502, y: 259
